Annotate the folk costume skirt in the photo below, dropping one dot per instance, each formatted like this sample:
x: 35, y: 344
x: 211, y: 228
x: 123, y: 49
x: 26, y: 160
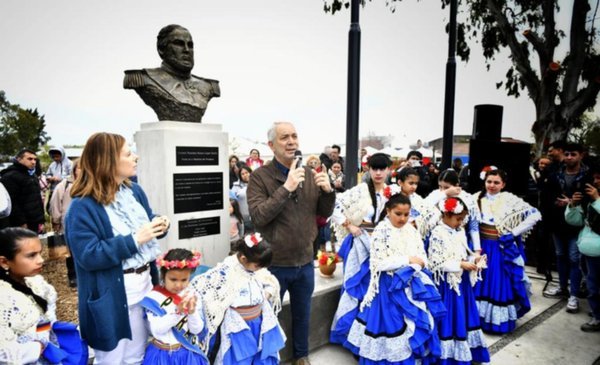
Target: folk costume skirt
x: 502, y: 295
x: 355, y: 255
x: 246, y: 345
x: 462, y: 340
x: 398, y: 327
x: 181, y: 356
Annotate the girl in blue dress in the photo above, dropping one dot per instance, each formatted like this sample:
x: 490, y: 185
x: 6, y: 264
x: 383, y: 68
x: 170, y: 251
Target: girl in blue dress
x: 423, y: 215
x: 175, y: 314
x: 449, y: 188
x: 455, y: 270
x: 355, y: 215
x: 241, y: 300
x: 396, y: 323
x: 503, y: 294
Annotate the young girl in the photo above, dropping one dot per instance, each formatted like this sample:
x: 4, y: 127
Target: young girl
x: 502, y: 295
x: 236, y: 222
x: 238, y: 192
x: 174, y: 313
x: 455, y: 270
x: 241, y: 300
x: 356, y: 213
x: 422, y: 215
x: 336, y: 177
x: 396, y: 323
x: 29, y: 332
x: 449, y: 187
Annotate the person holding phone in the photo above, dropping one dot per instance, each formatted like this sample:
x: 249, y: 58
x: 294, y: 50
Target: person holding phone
x: 563, y: 184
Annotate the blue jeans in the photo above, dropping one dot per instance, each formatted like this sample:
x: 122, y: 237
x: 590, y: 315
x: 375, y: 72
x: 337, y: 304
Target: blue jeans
x: 592, y: 268
x: 567, y: 257
x: 300, y: 281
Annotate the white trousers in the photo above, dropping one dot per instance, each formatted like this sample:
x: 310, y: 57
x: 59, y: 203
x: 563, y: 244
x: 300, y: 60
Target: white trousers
x: 128, y: 351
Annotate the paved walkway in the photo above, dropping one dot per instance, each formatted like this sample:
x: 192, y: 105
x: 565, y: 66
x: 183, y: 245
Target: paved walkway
x: 546, y: 335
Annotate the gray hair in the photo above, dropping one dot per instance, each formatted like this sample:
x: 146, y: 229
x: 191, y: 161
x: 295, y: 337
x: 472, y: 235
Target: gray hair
x: 272, y: 132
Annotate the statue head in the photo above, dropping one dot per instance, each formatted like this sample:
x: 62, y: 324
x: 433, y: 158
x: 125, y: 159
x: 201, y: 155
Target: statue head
x: 176, y: 48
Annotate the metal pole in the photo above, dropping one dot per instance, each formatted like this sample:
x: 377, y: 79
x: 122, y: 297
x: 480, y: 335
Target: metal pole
x: 450, y: 90
x: 353, y: 96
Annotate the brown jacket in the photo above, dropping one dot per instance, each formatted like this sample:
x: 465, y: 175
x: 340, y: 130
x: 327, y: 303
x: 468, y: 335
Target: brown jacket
x: 287, y: 223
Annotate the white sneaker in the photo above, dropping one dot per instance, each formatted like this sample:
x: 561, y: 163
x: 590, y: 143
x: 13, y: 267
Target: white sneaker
x: 555, y: 292
x: 573, y: 304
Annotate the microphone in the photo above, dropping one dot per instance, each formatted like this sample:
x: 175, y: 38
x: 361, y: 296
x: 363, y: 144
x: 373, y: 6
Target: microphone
x: 298, y: 155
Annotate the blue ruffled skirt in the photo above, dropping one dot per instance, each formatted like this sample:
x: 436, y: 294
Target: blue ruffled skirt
x: 244, y: 346
x: 460, y: 330
x: 69, y: 348
x: 393, y: 329
x: 502, y: 295
x: 352, y: 293
x: 181, y: 356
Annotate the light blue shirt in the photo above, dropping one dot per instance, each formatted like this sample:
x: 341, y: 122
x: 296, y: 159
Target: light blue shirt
x: 126, y: 216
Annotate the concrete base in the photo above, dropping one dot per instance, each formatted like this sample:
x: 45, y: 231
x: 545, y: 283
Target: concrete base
x: 157, y: 145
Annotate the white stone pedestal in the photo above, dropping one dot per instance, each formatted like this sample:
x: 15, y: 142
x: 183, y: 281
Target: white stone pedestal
x: 184, y: 170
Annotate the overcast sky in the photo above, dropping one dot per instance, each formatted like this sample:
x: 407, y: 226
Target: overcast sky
x: 275, y: 60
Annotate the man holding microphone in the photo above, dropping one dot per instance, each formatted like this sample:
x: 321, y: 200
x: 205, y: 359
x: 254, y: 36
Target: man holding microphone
x: 284, y: 200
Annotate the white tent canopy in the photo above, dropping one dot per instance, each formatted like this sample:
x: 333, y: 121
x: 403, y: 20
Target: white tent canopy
x: 241, y: 147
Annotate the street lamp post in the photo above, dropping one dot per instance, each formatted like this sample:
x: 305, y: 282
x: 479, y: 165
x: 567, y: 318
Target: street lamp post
x: 450, y: 90
x: 353, y: 96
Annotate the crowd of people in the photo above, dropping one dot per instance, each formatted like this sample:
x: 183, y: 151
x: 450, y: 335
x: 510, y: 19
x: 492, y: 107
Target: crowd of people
x: 427, y: 266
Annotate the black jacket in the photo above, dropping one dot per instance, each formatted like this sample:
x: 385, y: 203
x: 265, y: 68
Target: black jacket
x: 25, y: 196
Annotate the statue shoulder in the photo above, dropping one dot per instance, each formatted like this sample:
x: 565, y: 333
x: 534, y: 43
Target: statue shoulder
x: 208, y: 83
x: 135, y: 78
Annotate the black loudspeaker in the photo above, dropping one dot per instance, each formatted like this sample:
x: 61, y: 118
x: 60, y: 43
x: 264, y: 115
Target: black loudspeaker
x: 487, y: 122
x: 512, y: 157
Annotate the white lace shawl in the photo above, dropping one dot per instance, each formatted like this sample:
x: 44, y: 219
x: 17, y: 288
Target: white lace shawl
x: 428, y: 216
x: 20, y: 315
x: 354, y: 204
x: 508, y: 211
x: 219, y: 286
x: 388, y: 241
x: 449, y: 245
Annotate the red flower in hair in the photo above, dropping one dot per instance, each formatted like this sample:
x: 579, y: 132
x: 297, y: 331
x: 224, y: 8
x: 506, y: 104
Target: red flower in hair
x: 450, y: 205
x: 387, y: 192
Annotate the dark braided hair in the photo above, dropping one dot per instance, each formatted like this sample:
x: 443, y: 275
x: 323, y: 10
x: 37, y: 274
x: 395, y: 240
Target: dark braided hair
x: 376, y: 161
x: 10, y: 239
x: 406, y: 172
x: 497, y: 172
x: 449, y: 176
x: 260, y: 254
x: 394, y: 200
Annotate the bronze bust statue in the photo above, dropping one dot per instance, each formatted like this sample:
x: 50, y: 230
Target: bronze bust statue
x: 171, y: 90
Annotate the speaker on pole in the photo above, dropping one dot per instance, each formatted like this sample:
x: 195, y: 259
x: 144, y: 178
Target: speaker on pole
x: 487, y: 122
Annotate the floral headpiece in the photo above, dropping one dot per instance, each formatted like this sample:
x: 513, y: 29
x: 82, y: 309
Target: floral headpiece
x: 451, y: 205
x: 253, y: 239
x: 192, y: 263
x: 391, y: 190
x: 486, y: 170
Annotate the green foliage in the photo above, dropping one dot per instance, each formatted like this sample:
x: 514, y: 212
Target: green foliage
x: 20, y: 128
x: 561, y: 89
x: 587, y: 133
